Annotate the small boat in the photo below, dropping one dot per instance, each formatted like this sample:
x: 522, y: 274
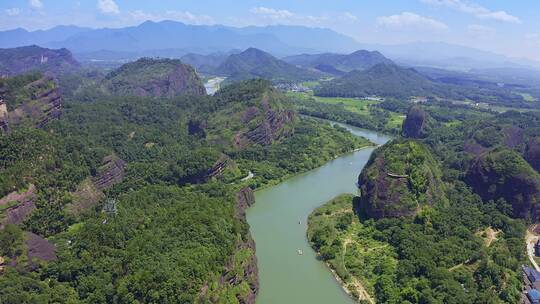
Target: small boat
x: 300, y: 252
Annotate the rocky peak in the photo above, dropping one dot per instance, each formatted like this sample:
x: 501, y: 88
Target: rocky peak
x: 416, y: 125
x: 154, y: 78
x: 400, y: 179
x: 25, y: 59
x: 503, y: 174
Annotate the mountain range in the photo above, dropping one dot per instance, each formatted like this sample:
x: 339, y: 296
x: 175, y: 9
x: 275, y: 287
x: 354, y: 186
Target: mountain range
x: 175, y: 39
x: 359, y: 60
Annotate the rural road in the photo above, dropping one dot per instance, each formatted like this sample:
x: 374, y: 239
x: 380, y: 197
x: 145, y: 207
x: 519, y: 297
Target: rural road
x: 531, y: 239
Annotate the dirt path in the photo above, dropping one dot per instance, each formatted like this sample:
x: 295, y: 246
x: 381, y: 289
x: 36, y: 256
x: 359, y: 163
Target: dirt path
x: 531, y: 240
x: 358, y: 286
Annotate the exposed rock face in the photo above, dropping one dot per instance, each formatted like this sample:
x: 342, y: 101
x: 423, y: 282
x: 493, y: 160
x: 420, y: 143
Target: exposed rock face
x: 43, y: 105
x: 223, y: 163
x: 245, y: 247
x: 39, y: 248
x: 273, y: 126
x: 399, y: 180
x: 244, y: 199
x: 110, y: 173
x: 4, y: 126
x: 154, y: 78
x: 503, y: 173
x: 22, y: 205
x: 22, y: 60
x: 532, y: 153
x: 416, y: 123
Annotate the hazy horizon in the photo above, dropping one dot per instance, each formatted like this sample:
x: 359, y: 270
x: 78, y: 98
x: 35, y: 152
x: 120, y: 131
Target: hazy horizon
x: 500, y: 27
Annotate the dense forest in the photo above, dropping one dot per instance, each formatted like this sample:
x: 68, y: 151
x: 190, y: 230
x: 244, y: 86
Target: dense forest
x: 397, y: 242
x: 121, y: 186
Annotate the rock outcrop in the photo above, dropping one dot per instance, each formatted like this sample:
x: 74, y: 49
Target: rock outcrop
x: 532, y: 153
x: 274, y: 124
x: 241, y: 272
x: 154, y: 78
x: 18, y: 206
x: 41, y: 103
x: 110, y: 173
x: 39, y: 248
x: 503, y: 174
x: 26, y: 59
x: 399, y: 180
x: 417, y: 123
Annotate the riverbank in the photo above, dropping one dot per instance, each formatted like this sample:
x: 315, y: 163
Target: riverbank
x: 278, y: 224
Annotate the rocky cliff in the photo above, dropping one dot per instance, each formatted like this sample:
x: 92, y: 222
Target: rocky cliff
x: 532, y: 153
x: 36, y: 103
x: 240, y: 277
x: 22, y: 60
x: 417, y: 124
x: 503, y: 174
x: 154, y: 78
x: 110, y: 173
x: 399, y: 180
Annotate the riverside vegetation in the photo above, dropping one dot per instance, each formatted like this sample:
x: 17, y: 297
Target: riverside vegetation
x: 139, y: 194
x: 425, y: 228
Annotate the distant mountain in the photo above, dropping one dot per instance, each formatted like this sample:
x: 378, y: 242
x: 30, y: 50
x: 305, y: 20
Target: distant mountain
x: 254, y: 63
x: 359, y: 60
x: 21, y: 37
x: 382, y: 79
x: 154, y: 78
x: 205, y: 63
x: 21, y: 60
x: 171, y: 35
x: 444, y: 55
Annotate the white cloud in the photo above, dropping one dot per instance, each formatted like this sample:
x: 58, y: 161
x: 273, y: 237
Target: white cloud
x: 108, y: 7
x: 36, y: 4
x: 272, y: 13
x: 532, y: 39
x: 13, y: 11
x: 481, y: 32
x: 183, y: 16
x: 349, y: 16
x: 408, y: 20
x: 475, y: 10
x: 277, y: 16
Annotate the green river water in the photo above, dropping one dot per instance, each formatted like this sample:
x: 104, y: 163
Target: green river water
x: 278, y: 225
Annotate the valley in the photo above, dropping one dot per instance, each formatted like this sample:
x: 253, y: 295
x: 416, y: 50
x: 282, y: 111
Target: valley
x: 198, y: 162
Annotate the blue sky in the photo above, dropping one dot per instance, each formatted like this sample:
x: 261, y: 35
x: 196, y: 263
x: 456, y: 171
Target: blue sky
x: 508, y: 27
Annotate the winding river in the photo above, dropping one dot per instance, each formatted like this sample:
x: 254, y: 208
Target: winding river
x: 278, y: 225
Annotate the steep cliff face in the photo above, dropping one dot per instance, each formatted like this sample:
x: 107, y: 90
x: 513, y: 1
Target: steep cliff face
x: 17, y: 206
x: 532, y: 153
x: 240, y: 277
x: 154, y: 78
x: 417, y: 124
x: 36, y: 103
x: 22, y: 60
x: 399, y: 180
x: 110, y: 173
x: 260, y: 120
x: 503, y: 173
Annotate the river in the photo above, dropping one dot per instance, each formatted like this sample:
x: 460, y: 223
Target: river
x: 278, y: 223
x: 213, y: 85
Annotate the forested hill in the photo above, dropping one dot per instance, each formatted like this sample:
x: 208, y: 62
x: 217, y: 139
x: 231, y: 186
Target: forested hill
x: 359, y: 60
x: 442, y: 214
x: 26, y: 59
x: 137, y: 199
x: 383, y: 80
x: 154, y: 77
x: 254, y: 63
